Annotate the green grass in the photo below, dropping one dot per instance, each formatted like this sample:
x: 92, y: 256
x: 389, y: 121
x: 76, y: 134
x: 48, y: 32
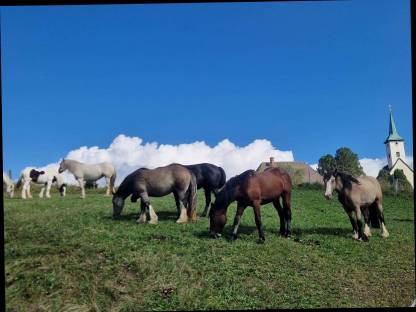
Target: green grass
x: 67, y: 254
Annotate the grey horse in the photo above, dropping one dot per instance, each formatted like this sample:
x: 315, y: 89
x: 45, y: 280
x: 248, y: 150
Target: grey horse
x: 90, y: 172
x: 144, y: 183
x: 358, y: 194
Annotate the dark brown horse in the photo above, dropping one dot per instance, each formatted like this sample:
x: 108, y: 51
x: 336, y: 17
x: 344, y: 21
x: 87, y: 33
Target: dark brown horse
x: 253, y: 189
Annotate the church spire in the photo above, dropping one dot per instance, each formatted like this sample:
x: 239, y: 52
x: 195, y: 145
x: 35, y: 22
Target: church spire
x: 393, y: 134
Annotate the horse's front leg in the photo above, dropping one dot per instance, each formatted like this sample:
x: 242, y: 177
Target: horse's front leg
x: 257, y: 218
x: 48, y: 189
x: 41, y: 191
x: 238, y: 214
x: 361, y: 234
x: 82, y: 186
x: 353, y: 220
x: 146, y: 210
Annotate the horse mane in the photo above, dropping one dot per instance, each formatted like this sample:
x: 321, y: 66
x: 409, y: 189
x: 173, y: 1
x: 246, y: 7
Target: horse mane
x: 347, y: 179
x: 226, y: 192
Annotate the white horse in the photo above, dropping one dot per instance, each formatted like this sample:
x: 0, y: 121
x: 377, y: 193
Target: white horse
x: 46, y: 177
x: 90, y: 172
x: 9, y: 185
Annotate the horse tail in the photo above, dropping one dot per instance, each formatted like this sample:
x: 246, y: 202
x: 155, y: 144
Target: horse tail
x: 113, y: 181
x: 374, y: 220
x: 19, y: 182
x: 192, y: 191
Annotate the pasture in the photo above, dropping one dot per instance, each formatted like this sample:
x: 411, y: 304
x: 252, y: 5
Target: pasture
x: 67, y: 254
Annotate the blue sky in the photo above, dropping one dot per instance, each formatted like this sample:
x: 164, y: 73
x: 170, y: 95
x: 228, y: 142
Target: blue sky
x: 309, y: 77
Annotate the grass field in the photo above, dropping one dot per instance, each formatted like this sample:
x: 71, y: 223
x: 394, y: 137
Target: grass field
x: 67, y: 254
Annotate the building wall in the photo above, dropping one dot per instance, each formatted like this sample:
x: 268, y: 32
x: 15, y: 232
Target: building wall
x: 406, y: 170
x: 393, y: 148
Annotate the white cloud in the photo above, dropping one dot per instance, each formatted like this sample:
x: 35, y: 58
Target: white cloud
x: 130, y: 153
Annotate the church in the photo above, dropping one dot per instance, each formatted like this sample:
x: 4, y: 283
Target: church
x: 396, y: 157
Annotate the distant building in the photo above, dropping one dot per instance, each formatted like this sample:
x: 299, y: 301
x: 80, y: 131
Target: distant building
x: 396, y: 156
x: 300, y: 172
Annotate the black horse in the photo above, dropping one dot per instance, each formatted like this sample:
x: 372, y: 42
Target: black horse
x: 209, y: 177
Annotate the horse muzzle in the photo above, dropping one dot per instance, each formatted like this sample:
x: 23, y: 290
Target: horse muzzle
x: 328, y: 196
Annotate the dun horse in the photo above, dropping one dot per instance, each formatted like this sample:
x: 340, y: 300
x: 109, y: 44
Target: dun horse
x: 144, y: 183
x: 253, y: 189
x: 356, y: 195
x: 209, y: 177
x: 90, y: 172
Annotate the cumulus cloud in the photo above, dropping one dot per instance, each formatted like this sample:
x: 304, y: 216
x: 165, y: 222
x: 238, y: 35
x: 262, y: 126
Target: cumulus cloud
x: 130, y: 153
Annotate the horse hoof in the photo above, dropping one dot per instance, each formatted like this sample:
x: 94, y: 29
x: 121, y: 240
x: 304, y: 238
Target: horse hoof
x: 233, y: 237
x: 181, y: 221
x: 261, y: 241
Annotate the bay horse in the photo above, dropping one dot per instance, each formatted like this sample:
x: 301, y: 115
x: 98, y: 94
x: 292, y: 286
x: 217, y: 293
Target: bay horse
x: 361, y: 195
x: 46, y: 177
x: 9, y: 185
x: 90, y: 172
x: 209, y: 177
x: 254, y: 189
x: 144, y: 183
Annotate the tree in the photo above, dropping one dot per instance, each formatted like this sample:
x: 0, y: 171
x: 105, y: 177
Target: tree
x: 326, y: 163
x: 347, y: 161
x: 401, y: 180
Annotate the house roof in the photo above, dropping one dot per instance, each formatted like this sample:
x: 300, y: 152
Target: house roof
x: 309, y: 175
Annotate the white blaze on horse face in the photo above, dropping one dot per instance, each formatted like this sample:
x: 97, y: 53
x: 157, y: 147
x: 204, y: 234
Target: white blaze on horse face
x: 328, y: 189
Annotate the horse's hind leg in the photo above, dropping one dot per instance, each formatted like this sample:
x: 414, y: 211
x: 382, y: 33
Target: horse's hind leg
x: 207, y: 201
x: 279, y: 208
x: 287, y: 212
x: 257, y: 218
x: 177, y: 203
x: 384, y: 232
x: 82, y: 186
x: 183, y: 217
x: 108, y: 182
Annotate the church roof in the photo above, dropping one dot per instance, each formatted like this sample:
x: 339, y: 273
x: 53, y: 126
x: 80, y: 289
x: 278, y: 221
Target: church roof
x: 393, y: 134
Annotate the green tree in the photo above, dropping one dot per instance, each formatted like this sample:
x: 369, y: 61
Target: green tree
x: 347, y: 161
x: 402, y: 183
x: 326, y: 163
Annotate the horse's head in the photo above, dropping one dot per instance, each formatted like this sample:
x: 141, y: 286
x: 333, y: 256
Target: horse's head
x: 118, y: 204
x: 62, y: 166
x: 329, y: 182
x: 217, y: 219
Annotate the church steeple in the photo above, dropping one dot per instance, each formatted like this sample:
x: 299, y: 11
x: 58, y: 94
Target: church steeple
x: 394, y: 144
x: 393, y: 134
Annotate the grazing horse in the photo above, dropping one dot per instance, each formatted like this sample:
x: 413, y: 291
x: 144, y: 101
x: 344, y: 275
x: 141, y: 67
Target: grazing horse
x: 90, y: 172
x: 356, y: 195
x: 253, y: 189
x: 209, y: 177
x: 9, y: 185
x: 144, y: 183
x: 46, y: 177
